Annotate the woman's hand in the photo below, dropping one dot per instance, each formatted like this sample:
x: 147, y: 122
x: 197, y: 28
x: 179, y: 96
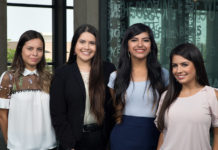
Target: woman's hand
x: 160, y: 141
x: 215, y: 139
x: 4, y: 123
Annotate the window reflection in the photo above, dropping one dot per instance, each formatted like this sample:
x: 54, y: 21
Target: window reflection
x: 70, y: 2
x: 173, y: 23
x: 70, y: 30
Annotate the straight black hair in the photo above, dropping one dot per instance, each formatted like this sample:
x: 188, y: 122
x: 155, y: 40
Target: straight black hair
x: 125, y: 69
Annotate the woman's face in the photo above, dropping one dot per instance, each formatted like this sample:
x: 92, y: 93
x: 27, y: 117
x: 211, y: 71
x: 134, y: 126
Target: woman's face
x: 85, y: 48
x: 183, y: 70
x: 139, y: 46
x: 32, y: 53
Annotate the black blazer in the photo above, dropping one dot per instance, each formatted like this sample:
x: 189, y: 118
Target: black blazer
x: 67, y: 104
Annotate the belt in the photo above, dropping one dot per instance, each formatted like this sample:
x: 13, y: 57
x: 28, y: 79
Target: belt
x: 91, y: 127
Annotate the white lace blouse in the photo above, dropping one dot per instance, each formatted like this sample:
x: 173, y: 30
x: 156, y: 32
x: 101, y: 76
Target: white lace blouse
x: 29, y: 122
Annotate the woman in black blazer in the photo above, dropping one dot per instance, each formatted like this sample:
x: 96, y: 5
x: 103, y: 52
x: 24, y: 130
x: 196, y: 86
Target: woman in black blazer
x: 80, y: 101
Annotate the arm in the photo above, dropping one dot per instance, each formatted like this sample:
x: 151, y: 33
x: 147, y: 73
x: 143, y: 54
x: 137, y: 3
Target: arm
x: 109, y: 120
x: 58, y: 109
x: 161, y: 137
x: 5, y: 90
x: 4, y: 123
x: 111, y: 80
x: 160, y: 141
x: 215, y: 139
x: 111, y: 84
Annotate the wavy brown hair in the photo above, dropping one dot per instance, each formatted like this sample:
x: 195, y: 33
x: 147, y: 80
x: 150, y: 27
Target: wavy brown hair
x: 96, y: 80
x: 18, y: 65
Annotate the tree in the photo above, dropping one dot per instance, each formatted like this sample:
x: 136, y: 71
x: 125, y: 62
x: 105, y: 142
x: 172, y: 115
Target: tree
x: 10, y: 54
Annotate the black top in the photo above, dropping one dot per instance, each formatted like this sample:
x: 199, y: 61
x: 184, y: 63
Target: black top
x: 67, y: 104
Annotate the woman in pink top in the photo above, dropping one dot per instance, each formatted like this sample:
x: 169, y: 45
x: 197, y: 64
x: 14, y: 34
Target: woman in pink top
x: 189, y: 107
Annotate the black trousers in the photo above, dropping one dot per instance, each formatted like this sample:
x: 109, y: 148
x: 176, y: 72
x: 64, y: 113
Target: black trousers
x: 49, y: 149
x: 91, y: 141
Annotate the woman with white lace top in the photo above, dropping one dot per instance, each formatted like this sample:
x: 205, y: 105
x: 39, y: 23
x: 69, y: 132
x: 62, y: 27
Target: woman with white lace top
x: 24, y: 99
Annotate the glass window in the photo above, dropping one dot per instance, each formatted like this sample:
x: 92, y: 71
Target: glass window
x: 70, y: 2
x: 154, y: 21
x: 41, y: 2
x: 173, y: 23
x: 70, y: 30
x: 21, y: 19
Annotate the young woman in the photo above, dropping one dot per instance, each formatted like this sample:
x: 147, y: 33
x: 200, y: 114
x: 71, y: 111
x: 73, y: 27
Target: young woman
x: 136, y: 87
x: 189, y: 106
x: 79, y: 96
x: 24, y: 99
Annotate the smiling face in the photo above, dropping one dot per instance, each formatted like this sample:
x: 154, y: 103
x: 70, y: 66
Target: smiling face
x: 139, y: 46
x: 32, y: 53
x: 85, y: 47
x: 183, y: 70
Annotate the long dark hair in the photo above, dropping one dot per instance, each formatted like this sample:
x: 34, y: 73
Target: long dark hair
x: 192, y: 53
x: 96, y: 81
x: 18, y: 65
x: 125, y: 69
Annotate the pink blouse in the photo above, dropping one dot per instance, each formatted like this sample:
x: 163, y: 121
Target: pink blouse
x: 188, y: 121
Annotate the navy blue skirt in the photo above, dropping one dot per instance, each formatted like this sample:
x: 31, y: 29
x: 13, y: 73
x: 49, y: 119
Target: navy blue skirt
x: 134, y: 133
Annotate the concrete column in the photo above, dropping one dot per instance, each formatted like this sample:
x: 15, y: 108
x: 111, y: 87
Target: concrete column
x: 86, y: 11
x: 93, y: 12
x: 3, y: 36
